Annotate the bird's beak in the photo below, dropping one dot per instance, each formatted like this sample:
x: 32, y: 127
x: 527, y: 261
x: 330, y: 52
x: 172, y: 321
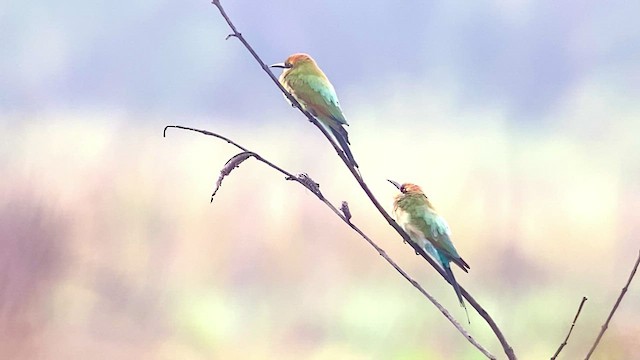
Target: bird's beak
x: 394, y: 183
x: 280, y: 65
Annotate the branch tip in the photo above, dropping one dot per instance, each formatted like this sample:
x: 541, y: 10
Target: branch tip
x: 605, y: 326
x: 566, y: 339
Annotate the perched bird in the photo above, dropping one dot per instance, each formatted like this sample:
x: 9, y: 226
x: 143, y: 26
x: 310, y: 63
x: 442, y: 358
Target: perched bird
x: 310, y: 86
x: 426, y: 228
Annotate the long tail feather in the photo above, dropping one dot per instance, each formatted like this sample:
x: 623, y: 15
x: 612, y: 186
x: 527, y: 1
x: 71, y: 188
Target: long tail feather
x: 461, y: 263
x: 343, y: 141
x: 456, y: 287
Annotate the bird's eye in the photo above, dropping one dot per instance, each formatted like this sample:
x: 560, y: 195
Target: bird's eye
x: 288, y: 65
x: 402, y: 189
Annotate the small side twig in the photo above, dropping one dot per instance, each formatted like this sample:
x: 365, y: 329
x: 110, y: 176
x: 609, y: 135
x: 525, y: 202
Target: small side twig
x: 232, y: 35
x: 309, y: 183
x: 566, y: 339
x: 615, y: 307
x: 345, y: 210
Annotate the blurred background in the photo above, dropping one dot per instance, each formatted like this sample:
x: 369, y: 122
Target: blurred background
x: 520, y: 119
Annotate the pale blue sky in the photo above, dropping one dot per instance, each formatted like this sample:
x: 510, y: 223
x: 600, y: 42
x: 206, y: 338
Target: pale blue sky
x: 171, y: 58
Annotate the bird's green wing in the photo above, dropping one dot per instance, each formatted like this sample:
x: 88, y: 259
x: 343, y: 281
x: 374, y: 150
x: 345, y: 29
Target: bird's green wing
x: 320, y: 96
x: 438, y: 232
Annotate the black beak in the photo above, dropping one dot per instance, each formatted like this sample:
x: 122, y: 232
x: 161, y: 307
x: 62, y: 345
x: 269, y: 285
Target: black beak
x: 281, y: 65
x: 394, y: 183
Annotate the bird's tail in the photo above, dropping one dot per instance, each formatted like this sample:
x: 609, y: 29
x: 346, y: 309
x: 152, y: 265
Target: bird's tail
x: 454, y: 283
x: 343, y: 140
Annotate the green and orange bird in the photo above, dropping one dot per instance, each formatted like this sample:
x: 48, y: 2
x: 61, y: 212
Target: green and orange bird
x: 310, y: 86
x: 426, y: 228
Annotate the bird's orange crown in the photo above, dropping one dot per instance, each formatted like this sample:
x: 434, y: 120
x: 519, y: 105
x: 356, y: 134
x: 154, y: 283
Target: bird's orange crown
x: 410, y: 188
x: 297, y: 59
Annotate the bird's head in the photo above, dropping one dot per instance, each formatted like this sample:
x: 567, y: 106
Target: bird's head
x: 407, y: 188
x: 295, y: 61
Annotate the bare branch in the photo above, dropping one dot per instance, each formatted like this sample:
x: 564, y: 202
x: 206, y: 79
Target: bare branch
x: 615, y: 307
x: 564, y: 343
x: 209, y: 133
x: 307, y: 182
x: 356, y: 174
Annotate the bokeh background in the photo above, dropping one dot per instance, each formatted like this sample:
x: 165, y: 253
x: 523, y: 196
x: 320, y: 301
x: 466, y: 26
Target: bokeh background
x: 521, y: 119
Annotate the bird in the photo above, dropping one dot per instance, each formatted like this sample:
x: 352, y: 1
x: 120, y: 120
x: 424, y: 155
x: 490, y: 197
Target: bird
x: 308, y: 84
x: 427, y: 229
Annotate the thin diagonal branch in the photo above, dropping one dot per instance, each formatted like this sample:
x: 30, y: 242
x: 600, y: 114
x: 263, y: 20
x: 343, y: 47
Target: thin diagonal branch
x: 564, y: 343
x: 483, y: 313
x: 615, y: 307
x: 273, y: 78
x: 304, y: 181
x: 356, y: 174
